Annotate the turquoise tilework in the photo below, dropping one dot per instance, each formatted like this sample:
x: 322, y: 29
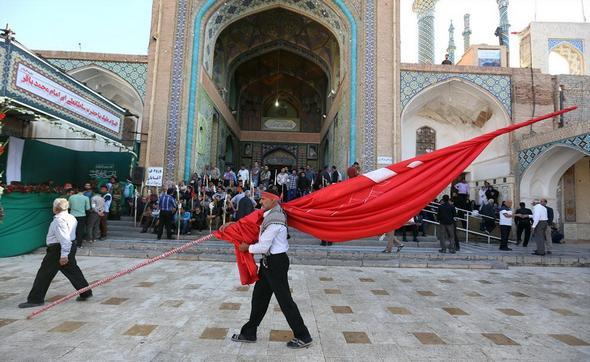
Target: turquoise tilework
x: 134, y: 73
x: 499, y: 86
x: 528, y: 156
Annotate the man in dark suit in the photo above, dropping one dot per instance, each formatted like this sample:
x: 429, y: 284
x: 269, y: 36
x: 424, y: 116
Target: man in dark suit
x: 523, y: 223
x: 550, y: 216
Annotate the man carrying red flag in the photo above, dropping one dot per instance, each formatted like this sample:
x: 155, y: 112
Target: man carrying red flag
x: 273, y: 245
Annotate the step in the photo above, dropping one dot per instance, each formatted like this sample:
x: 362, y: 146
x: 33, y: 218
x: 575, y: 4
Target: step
x: 470, y: 256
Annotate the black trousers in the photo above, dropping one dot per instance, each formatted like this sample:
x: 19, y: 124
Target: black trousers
x: 274, y: 280
x: 504, y: 232
x: 413, y: 228
x: 165, y: 220
x: 49, y: 268
x: 526, y: 227
x: 80, y: 230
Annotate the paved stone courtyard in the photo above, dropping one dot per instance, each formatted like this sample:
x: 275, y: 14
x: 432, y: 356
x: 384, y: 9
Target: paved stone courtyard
x: 179, y: 310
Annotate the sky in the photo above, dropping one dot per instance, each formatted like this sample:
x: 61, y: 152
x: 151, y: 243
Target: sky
x: 123, y: 26
x: 104, y: 26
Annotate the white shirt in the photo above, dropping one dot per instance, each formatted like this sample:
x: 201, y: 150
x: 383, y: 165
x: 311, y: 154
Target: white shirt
x: 282, y: 178
x: 462, y: 188
x: 506, y: 217
x: 274, y: 238
x: 482, y: 196
x: 62, y: 230
x: 244, y: 175
x: 539, y: 214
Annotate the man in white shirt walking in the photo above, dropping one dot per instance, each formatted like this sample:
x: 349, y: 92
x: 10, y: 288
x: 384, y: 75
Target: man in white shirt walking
x: 539, y: 226
x: 273, y: 244
x: 61, y: 256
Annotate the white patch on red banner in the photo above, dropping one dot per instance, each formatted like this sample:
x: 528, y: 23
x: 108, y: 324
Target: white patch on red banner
x: 414, y: 164
x: 380, y: 174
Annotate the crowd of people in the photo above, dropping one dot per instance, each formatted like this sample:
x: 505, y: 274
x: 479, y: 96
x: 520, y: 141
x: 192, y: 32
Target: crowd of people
x: 212, y: 198
x: 92, y: 204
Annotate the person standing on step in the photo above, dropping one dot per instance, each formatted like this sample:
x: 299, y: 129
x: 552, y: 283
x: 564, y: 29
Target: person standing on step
x: 167, y: 205
x: 505, y: 224
x: 523, y: 222
x: 446, y: 217
x: 274, y: 265
x: 79, y: 207
x: 61, y: 256
x: 539, y: 228
x: 391, y: 241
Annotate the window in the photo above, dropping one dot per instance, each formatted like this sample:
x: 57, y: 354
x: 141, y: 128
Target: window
x: 425, y: 140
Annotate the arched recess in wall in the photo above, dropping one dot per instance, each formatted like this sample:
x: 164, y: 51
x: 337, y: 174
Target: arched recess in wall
x: 116, y: 89
x: 541, y: 178
x: 568, y: 54
x: 457, y: 110
x: 213, y: 16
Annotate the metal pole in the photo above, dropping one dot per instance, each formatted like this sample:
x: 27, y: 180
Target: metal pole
x: 467, y: 228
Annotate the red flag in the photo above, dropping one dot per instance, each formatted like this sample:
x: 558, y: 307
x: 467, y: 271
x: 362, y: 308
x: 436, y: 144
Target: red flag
x: 381, y: 200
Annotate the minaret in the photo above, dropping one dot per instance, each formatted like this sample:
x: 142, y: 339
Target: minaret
x: 451, y: 48
x: 504, y: 26
x: 425, y: 11
x: 466, y: 33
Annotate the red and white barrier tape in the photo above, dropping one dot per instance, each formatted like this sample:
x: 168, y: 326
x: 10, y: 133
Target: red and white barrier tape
x: 120, y: 274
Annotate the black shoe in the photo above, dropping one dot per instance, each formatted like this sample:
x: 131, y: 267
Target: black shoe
x: 83, y: 299
x: 525, y: 245
x: 30, y: 305
x: 242, y: 338
x: 549, y: 252
x: 102, y: 238
x: 399, y: 248
x: 452, y: 251
x: 143, y: 231
x: 386, y: 251
x: 535, y: 253
x: 297, y: 343
x: 323, y: 243
x: 442, y: 251
x: 506, y: 249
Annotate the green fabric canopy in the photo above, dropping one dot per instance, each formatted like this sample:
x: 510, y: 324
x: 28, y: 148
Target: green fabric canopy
x: 26, y: 221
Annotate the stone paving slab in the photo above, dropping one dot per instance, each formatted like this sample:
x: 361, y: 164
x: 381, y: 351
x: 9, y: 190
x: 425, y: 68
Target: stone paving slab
x: 179, y: 310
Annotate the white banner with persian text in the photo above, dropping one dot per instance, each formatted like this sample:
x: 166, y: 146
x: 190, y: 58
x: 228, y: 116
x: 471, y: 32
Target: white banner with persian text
x: 38, y: 84
x: 155, y: 176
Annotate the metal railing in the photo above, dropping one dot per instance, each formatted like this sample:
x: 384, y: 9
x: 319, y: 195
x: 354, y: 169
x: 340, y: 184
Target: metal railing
x: 468, y: 214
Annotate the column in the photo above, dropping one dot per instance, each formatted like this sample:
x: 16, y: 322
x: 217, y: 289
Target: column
x: 466, y: 33
x: 451, y: 47
x: 425, y: 11
x: 504, y: 26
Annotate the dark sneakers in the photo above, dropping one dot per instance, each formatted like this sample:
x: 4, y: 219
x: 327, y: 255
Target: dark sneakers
x: 297, y: 343
x: 242, y: 338
x: 30, y: 305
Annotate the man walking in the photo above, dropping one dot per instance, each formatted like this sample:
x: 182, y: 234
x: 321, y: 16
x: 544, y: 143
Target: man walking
x: 539, y: 229
x: 505, y: 224
x: 446, y: 218
x: 274, y: 265
x: 168, y: 207
x: 61, y: 256
x: 523, y: 223
x: 79, y: 205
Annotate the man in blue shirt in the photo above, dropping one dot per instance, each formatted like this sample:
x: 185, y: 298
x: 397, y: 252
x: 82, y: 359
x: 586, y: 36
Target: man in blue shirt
x: 167, y: 205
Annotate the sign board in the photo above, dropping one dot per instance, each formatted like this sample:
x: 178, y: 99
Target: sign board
x: 103, y: 171
x: 155, y: 176
x: 488, y: 57
x: 34, y: 82
x: 280, y: 124
x: 384, y: 160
